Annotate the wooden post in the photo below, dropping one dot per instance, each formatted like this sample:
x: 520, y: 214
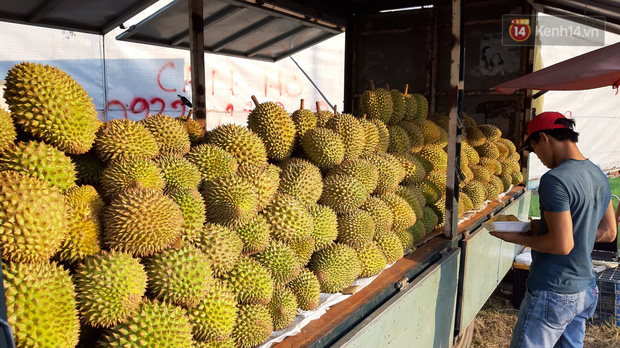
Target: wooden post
x: 197, y: 62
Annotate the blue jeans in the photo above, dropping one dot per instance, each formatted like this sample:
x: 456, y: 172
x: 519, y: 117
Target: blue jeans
x: 550, y: 319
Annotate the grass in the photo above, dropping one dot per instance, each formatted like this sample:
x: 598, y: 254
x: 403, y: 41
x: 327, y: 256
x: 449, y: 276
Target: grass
x: 614, y: 183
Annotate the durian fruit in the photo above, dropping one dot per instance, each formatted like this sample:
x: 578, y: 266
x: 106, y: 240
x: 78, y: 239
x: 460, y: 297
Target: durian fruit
x: 422, y: 106
x: 488, y: 149
x: 343, y: 193
x: 245, y: 145
x: 282, y: 307
x: 250, y: 281
x: 391, y: 247
x: 255, y: 235
x: 382, y: 214
x: 414, y: 171
x: 227, y: 343
x: 440, y: 209
x: 179, y: 276
x: 356, y: 228
x: 322, y: 116
x: 351, y: 133
x: 436, y: 156
x: 229, y: 199
x: 211, y: 161
x: 476, y: 191
x: 391, y: 172
x: 430, y: 219
x: 399, y: 140
x: 377, y: 104
x: 469, y: 122
x: 253, y: 326
x: 398, y: 106
x: 466, y: 202
x: 371, y: 135
x: 336, y: 267
x: 40, y: 304
x: 213, y: 319
x: 362, y: 170
x: 510, y: 167
x: 302, y: 180
x: 469, y: 152
x: 41, y: 161
x: 7, y: 130
x: 170, y: 135
x: 155, y: 324
x: 84, y: 209
x: 509, y: 144
x: 438, y: 178
x: 52, y: 106
x: 222, y: 246
x: 371, y: 258
x: 178, y: 172
x: 415, y: 134
x: 517, y: 177
x: 121, y: 138
x: 474, y: 136
x: 88, y: 168
x: 490, y: 164
x: 307, y: 290
x: 109, y: 287
x: 303, y: 249
x: 192, y: 207
x: 411, y: 105
x: 141, y: 222
x: 491, y: 132
x: 418, y: 230
x: 325, y: 225
x: 275, y: 128
x: 502, y: 149
x: 506, y: 181
x: 494, y: 187
x: 404, y: 216
x: 304, y: 120
x: 481, y: 173
x: 430, y: 191
x: 323, y: 147
x: 193, y: 129
x: 288, y: 219
x: 432, y: 132
x: 412, y: 196
x: 384, y: 136
x: 280, y: 260
x: 124, y: 174
x: 33, y: 218
x: 266, y: 179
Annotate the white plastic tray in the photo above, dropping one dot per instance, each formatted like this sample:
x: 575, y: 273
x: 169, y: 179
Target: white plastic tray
x: 507, y: 226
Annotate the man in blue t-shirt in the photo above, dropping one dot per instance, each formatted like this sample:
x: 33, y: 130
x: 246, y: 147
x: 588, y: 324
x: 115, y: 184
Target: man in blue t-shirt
x: 576, y: 211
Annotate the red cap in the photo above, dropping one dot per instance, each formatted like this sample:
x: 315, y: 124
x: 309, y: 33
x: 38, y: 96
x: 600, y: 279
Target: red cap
x: 543, y: 121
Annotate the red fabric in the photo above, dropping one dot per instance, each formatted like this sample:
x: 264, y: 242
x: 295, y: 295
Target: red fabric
x: 595, y: 69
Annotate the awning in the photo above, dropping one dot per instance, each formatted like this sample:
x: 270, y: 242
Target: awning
x: 599, y: 68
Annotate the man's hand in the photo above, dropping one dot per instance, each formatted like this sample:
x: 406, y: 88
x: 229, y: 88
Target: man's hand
x: 510, y: 237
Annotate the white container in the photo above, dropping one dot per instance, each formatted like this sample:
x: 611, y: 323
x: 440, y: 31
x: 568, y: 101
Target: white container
x: 507, y: 226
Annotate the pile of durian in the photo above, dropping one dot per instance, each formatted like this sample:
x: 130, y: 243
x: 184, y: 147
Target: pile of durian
x: 149, y: 234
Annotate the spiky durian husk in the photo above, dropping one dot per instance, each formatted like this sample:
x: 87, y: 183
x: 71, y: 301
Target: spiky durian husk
x: 391, y: 172
x: 250, y: 281
x: 117, y: 139
x: 418, y: 230
x: 517, y: 177
x: 192, y: 207
x: 41, y: 161
x: 307, y: 290
x: 351, y: 133
x: 253, y: 326
x: 88, y: 168
x: 323, y: 147
x: 325, y: 225
x: 170, y: 135
x: 288, y: 219
x: 371, y: 258
x: 7, y: 130
x: 227, y: 343
x: 430, y: 219
x: 411, y: 194
x: 414, y: 170
x: 411, y: 107
x: 399, y: 140
x: 84, y: 209
x: 275, y: 127
x: 415, y: 134
x: 52, y: 106
x: 474, y: 136
x: 429, y: 190
x: 466, y: 202
x: 282, y: 307
x: 40, y: 305
x: 421, y: 106
x: 382, y: 214
x: 391, y: 247
x: 509, y: 144
x: 155, y: 324
x: 303, y: 249
x: 377, y: 104
x: 141, y: 222
x: 322, y: 116
x: 280, y: 260
x: 230, y: 199
x: 384, y: 136
x: 476, y: 191
x: 398, y: 106
x: 404, y: 216
x: 211, y: 161
x: 255, y: 235
x: 355, y: 228
x: 302, y: 180
x: 481, y: 173
x: 406, y: 238
x: 178, y: 172
x: 222, y: 247
x: 336, y: 267
x: 488, y: 149
x: 436, y: 156
x: 469, y: 152
x: 304, y: 120
x: 193, y: 129
x: 362, y: 170
x: 491, y: 132
x: 33, y: 218
x: 130, y: 173
x: 179, y: 276
x: 506, y: 180
x: 266, y: 179
x: 109, y: 287
x: 343, y: 193
x: 245, y: 145
x: 503, y: 150
x: 371, y: 135
x: 214, y: 317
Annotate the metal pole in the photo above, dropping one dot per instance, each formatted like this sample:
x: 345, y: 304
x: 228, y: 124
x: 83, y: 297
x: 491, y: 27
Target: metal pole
x: 197, y: 61
x: 312, y: 82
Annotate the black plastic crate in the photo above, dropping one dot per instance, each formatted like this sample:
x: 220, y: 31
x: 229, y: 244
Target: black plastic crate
x: 608, y: 307
x: 519, y: 286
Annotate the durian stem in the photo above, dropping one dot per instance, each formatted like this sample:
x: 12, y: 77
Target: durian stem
x: 189, y: 115
x: 301, y: 105
x: 364, y: 117
x: 406, y: 88
x: 335, y: 109
x: 255, y: 100
x: 318, y: 107
x: 372, y: 85
x: 387, y: 86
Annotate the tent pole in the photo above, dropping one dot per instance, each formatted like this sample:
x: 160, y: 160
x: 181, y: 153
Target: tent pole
x: 197, y: 61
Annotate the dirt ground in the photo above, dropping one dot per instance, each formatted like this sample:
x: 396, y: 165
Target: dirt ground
x: 497, y: 318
